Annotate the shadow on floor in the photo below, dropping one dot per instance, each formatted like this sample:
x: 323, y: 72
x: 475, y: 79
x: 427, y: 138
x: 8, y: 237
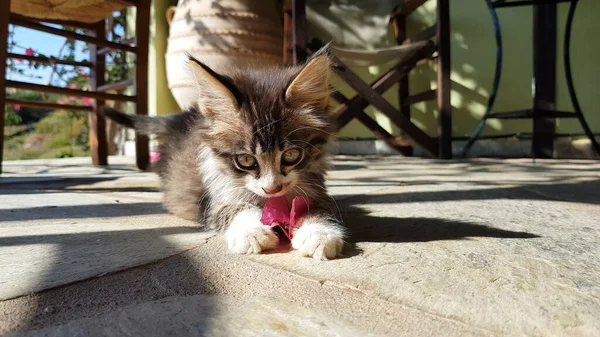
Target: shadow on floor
x: 36, y: 184
x: 79, y: 241
x: 460, y: 166
x: 364, y: 227
x: 81, y: 211
x: 367, y: 228
x: 49, y: 164
x: 587, y: 192
x: 177, y: 275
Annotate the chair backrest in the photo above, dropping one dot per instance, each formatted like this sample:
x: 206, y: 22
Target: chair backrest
x: 365, y: 58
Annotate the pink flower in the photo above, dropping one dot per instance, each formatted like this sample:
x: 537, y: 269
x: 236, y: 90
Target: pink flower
x: 86, y: 101
x: 83, y: 73
x: 19, y: 60
x: 72, y: 98
x: 154, y: 156
x: 72, y: 86
x: 61, y: 101
x: 17, y: 107
x: 29, y: 52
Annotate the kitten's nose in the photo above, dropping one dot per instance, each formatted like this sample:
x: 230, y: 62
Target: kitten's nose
x: 273, y: 189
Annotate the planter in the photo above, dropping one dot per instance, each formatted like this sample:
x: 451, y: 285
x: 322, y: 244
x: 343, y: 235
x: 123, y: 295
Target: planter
x: 224, y: 34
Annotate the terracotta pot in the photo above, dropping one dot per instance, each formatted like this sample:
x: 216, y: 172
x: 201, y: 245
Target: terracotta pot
x: 223, y: 34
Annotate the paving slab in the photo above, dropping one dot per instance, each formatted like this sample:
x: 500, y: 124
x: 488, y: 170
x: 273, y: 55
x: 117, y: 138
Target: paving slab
x: 209, y: 270
x: 208, y: 315
x: 83, y: 222
x: 460, y: 248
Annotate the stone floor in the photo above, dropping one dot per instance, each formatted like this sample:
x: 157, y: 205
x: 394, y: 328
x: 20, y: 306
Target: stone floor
x: 462, y: 248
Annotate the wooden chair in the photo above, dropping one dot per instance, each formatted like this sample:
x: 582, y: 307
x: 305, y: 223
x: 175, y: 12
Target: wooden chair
x: 24, y: 14
x: 406, y: 55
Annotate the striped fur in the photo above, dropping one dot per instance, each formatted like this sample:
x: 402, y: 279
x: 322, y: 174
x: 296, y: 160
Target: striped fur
x: 257, y: 112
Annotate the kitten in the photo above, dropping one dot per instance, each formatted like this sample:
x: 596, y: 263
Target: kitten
x: 255, y: 134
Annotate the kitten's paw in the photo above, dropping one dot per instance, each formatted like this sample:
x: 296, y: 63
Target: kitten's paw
x: 252, y: 241
x: 320, y: 239
x: 247, y: 235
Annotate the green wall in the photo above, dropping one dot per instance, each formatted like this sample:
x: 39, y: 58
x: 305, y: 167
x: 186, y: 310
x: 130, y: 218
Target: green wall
x: 585, y: 55
x: 473, y: 59
x: 160, y: 99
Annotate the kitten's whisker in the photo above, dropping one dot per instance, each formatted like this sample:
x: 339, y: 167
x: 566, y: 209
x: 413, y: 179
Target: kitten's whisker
x: 309, y: 127
x: 301, y: 141
x: 305, y: 194
x: 206, y: 207
x: 311, y: 156
x: 252, y: 140
x: 324, y: 188
x: 266, y: 126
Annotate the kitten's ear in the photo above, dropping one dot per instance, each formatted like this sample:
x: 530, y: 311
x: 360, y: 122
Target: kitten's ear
x: 311, y: 85
x: 215, y: 96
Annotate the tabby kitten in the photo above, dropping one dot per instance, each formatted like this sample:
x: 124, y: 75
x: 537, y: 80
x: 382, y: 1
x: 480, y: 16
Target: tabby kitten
x: 255, y: 134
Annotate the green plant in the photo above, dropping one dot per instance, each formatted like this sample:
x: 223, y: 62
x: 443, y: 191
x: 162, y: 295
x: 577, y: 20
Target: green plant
x: 59, y: 142
x: 54, y: 123
x: 12, y: 118
x: 64, y: 154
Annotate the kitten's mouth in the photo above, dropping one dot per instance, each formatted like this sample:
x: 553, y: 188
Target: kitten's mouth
x: 284, y: 190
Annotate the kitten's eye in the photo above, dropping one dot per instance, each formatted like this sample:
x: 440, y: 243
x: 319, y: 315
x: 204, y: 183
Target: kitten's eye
x: 291, y: 157
x: 246, y: 162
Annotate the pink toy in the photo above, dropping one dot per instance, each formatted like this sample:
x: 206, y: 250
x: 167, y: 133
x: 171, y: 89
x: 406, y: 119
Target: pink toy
x: 277, y: 213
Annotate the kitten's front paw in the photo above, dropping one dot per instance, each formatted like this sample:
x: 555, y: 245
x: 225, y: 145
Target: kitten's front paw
x: 319, y: 239
x: 247, y: 235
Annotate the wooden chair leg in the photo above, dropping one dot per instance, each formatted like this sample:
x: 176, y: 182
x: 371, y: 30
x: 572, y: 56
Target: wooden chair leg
x: 443, y: 80
x: 97, y: 123
x: 288, y: 33
x: 294, y: 31
x: 4, y: 16
x: 399, y: 26
x: 142, y: 32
